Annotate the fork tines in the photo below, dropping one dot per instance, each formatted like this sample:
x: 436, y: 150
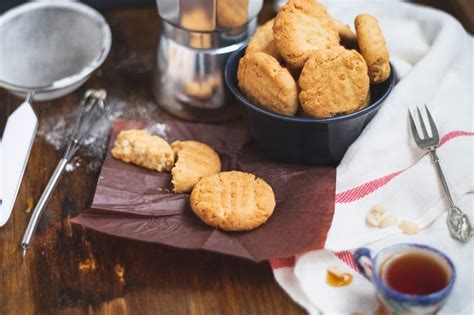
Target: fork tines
x: 426, y: 141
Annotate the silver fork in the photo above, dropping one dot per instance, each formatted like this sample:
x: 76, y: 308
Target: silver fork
x: 458, y: 222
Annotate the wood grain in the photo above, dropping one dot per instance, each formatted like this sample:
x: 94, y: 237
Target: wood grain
x: 70, y: 270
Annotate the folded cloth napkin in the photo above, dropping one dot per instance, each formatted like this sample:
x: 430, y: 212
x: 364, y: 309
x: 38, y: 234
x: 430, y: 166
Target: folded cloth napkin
x: 432, y: 56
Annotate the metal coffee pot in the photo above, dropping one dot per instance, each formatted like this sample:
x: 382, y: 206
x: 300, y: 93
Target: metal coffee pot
x: 197, y: 37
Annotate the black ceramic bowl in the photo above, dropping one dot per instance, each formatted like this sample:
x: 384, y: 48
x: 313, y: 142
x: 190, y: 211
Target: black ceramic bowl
x: 303, y: 140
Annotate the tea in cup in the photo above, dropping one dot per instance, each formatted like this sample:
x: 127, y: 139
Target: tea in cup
x: 409, y: 278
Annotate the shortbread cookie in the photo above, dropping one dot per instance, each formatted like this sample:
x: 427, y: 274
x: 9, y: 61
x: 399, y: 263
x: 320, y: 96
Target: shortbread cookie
x: 267, y: 83
x: 347, y: 37
x: 372, y: 47
x: 144, y: 149
x: 333, y: 81
x: 263, y: 41
x: 233, y: 201
x: 194, y: 160
x: 232, y: 13
x: 301, y: 28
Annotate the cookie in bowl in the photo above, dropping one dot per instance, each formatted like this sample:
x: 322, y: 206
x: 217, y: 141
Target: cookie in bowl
x: 301, y: 139
x: 262, y: 41
x: 372, y: 47
x: 333, y: 82
x: 301, y: 28
x: 339, y: 88
x: 267, y: 83
x: 347, y: 37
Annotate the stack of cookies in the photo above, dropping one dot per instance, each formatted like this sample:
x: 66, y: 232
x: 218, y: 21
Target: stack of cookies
x: 231, y: 201
x: 305, y: 62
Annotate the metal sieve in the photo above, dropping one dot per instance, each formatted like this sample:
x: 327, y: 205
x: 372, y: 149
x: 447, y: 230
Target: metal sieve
x: 50, y: 48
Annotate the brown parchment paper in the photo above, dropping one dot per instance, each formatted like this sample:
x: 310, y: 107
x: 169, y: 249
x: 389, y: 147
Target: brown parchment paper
x: 136, y: 203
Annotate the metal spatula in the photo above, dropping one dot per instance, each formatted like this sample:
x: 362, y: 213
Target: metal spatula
x: 15, y: 149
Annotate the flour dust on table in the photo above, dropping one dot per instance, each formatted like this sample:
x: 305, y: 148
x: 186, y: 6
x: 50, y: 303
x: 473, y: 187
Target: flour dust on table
x: 56, y: 128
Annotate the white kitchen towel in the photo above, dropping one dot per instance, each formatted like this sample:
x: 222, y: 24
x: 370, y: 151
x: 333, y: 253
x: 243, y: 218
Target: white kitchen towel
x: 433, y: 58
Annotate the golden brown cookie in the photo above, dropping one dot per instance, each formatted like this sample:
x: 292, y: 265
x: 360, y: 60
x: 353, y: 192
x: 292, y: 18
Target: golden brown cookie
x: 347, y: 37
x: 301, y: 28
x: 144, y: 149
x: 233, y: 201
x: 232, y: 13
x: 194, y: 160
x: 263, y: 41
x: 333, y: 81
x: 372, y: 47
x: 267, y: 83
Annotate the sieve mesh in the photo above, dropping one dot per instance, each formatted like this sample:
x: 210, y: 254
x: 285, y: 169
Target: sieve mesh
x: 47, y: 44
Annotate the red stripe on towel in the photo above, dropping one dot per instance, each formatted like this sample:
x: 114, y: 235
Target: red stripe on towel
x: 348, y: 258
x: 455, y: 134
x: 365, y: 189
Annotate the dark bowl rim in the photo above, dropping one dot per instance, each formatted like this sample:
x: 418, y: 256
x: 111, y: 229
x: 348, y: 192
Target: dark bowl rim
x: 234, y: 58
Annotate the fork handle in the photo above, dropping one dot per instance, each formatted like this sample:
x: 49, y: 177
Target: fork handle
x: 435, y: 159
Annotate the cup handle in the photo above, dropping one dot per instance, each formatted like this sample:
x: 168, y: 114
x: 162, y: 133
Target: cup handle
x: 363, y: 259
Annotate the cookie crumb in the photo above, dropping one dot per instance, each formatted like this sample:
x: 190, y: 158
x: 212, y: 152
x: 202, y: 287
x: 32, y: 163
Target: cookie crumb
x: 409, y: 227
x: 373, y: 218
x: 380, y: 217
x: 29, y: 204
x: 120, y: 272
x: 379, y: 208
x: 389, y: 220
x: 88, y: 265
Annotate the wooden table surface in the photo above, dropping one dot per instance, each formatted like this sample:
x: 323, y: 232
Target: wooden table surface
x: 71, y: 270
